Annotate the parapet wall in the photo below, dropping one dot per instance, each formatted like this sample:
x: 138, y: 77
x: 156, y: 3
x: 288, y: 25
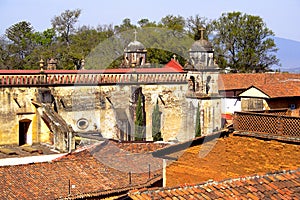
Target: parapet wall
x: 99, y: 102
x: 59, y: 78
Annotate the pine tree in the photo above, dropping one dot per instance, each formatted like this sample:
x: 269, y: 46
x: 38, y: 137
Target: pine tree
x: 139, y: 125
x: 156, y: 118
x: 198, y: 124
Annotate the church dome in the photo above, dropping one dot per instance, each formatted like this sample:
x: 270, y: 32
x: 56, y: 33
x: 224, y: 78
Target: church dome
x: 135, y: 46
x: 201, y: 45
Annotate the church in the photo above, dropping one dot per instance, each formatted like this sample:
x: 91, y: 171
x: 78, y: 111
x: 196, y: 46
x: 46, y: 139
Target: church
x: 62, y: 107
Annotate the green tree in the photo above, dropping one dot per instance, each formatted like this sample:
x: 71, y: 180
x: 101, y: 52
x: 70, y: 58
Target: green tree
x: 194, y: 24
x: 45, y: 38
x: 21, y: 43
x: 156, y: 123
x: 66, y: 52
x: 139, y: 120
x: 4, y: 54
x: 176, y: 23
x: 125, y: 26
x: 243, y: 42
x: 198, y: 124
x: 44, y: 47
x: 146, y: 23
x: 64, y: 24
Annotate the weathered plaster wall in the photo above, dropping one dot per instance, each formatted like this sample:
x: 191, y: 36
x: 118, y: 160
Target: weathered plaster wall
x: 173, y: 105
x: 99, y: 105
x: 102, y: 109
x: 16, y: 106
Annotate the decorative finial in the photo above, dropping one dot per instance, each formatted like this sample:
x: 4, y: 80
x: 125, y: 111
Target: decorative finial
x: 202, y: 33
x: 135, y: 32
x: 82, y: 63
x: 41, y: 64
x: 174, y: 57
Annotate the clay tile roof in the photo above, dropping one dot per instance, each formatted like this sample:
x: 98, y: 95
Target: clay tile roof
x: 80, y: 174
x: 226, y: 158
x: 282, y: 89
x: 174, y: 65
x: 140, y: 147
x: 244, y: 81
x: 279, y: 184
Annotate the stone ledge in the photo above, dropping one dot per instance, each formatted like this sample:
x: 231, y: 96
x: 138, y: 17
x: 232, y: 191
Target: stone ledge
x: 287, y: 139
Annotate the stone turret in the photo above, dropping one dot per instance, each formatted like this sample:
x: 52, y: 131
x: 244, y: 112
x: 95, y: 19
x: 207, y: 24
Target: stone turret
x: 134, y: 54
x: 51, y: 64
x: 203, y: 85
x: 201, y: 53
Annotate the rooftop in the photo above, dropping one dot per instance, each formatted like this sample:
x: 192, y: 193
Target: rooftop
x: 135, y: 46
x: 201, y: 45
x: 91, y: 171
x: 276, y: 90
x: 244, y: 81
x: 232, y: 157
x: 16, y: 151
x: 278, y: 185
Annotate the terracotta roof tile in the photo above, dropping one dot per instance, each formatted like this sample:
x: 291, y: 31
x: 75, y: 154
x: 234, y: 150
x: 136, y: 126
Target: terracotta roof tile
x: 244, y: 81
x: 236, y: 160
x: 77, y: 174
x: 236, y: 190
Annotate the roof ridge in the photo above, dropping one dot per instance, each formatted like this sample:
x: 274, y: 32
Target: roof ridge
x: 211, y: 182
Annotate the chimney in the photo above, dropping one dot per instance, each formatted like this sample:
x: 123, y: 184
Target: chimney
x: 164, y: 172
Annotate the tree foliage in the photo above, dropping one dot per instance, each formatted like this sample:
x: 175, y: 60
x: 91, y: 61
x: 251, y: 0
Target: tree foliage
x: 125, y: 26
x: 64, y: 24
x: 176, y: 23
x: 156, y: 123
x: 20, y: 36
x: 195, y: 23
x: 198, y: 124
x: 243, y: 42
x: 139, y: 120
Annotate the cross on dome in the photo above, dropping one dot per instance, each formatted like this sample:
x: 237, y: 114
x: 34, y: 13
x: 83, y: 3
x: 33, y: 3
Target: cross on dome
x: 202, y: 33
x: 135, y: 33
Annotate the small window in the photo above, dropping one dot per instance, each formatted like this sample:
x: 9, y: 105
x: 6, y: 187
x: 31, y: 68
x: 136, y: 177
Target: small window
x: 82, y: 123
x: 292, y: 106
x: 45, y: 96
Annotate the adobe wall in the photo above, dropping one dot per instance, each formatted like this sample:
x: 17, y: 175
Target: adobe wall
x: 101, y: 105
x: 104, y: 108
x: 16, y: 106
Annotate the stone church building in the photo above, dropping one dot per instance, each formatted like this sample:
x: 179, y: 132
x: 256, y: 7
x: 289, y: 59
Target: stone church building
x: 55, y: 106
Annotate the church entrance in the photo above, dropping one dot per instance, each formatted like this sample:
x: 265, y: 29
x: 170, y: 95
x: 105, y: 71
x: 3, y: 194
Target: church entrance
x: 23, y: 129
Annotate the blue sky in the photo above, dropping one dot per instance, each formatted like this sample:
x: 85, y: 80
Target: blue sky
x: 280, y: 16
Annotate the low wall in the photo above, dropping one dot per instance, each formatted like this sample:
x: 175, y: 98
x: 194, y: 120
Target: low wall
x: 270, y: 124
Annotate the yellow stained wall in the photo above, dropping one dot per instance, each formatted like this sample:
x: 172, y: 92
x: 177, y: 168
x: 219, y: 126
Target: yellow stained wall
x: 11, y: 113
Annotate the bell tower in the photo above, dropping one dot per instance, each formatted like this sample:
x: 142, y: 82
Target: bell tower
x: 201, y: 53
x: 204, y: 72
x: 134, y: 54
x: 203, y: 85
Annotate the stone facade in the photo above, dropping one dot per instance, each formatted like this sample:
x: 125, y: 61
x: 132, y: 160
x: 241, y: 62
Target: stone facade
x: 106, y: 108
x: 20, y: 121
x: 101, y: 109
x: 104, y: 103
